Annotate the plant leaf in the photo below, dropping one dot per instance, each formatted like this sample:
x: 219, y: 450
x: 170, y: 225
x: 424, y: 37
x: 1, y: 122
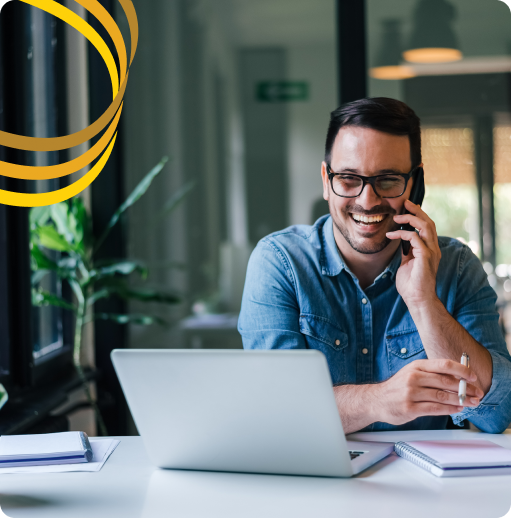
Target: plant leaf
x: 122, y: 268
x: 51, y: 239
x: 119, y: 287
x: 45, y: 298
x: 60, y: 216
x: 41, y: 261
x: 130, y: 319
x: 81, y: 225
x: 176, y: 200
x: 39, y: 216
x: 68, y: 263
x: 38, y: 276
x: 65, y: 267
x: 97, y: 295
x: 136, y: 194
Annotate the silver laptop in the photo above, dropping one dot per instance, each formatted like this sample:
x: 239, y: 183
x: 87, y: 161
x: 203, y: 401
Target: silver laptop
x: 241, y: 411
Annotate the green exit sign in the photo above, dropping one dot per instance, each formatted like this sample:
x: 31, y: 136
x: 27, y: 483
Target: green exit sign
x: 282, y: 91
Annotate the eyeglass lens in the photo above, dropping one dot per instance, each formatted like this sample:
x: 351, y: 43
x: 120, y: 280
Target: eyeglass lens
x: 387, y: 186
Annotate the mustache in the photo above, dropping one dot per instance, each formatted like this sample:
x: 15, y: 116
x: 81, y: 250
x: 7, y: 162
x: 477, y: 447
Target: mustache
x: 378, y: 209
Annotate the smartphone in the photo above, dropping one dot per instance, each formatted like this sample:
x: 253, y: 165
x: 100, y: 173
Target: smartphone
x: 417, y: 197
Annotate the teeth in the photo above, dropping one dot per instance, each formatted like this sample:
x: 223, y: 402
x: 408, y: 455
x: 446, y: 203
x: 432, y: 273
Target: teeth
x: 368, y: 219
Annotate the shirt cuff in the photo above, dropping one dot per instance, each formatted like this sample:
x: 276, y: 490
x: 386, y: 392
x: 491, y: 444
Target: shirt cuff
x: 500, y: 388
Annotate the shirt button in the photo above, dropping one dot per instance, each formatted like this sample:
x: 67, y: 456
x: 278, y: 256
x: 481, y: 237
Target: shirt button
x: 404, y: 350
x: 364, y: 301
x: 364, y: 351
x: 384, y: 275
x: 337, y: 342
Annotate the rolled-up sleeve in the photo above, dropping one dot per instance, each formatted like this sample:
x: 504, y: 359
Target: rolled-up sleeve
x: 476, y: 312
x: 269, y: 317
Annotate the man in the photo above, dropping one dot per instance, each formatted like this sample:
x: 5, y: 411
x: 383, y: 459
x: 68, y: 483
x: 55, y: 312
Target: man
x: 393, y: 327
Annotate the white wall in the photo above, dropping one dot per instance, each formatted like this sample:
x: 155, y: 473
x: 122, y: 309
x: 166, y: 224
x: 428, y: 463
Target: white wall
x: 308, y: 123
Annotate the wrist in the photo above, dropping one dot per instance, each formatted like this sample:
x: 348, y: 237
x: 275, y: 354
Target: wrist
x: 375, y: 401
x: 357, y: 406
x: 421, y: 307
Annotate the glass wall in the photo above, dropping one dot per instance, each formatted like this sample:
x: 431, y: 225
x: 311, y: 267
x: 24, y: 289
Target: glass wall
x: 241, y: 107
x: 450, y: 61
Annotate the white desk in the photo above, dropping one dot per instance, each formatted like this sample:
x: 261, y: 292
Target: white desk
x: 128, y: 486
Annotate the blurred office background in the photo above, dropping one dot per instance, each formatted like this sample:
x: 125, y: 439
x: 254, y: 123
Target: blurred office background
x: 237, y: 94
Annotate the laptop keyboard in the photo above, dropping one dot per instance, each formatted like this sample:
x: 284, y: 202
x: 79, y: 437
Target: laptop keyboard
x: 355, y: 454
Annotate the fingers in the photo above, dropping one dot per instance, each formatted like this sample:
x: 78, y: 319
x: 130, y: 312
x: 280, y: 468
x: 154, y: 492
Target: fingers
x: 437, y: 409
x: 450, y: 367
x: 416, y: 210
x: 417, y: 243
x: 448, y: 383
x: 427, y: 230
x: 421, y: 221
x: 443, y: 397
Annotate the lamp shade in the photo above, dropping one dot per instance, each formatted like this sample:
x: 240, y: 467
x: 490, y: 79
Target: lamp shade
x: 433, y: 39
x: 388, y: 58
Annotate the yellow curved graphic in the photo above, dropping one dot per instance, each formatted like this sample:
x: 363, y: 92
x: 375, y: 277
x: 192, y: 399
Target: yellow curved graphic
x: 109, y: 119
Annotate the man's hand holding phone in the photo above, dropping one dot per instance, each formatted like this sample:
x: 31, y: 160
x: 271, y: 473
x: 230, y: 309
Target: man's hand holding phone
x: 416, y: 278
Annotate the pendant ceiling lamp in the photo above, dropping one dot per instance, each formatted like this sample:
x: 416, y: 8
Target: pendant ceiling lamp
x: 433, y: 38
x: 389, y: 56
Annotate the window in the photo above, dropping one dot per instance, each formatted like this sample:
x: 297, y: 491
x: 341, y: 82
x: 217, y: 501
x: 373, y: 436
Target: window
x: 502, y: 193
x: 451, y: 190
x: 32, y: 350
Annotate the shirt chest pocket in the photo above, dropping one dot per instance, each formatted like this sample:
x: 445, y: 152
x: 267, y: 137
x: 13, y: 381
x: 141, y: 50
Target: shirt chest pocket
x: 331, y: 340
x: 404, y: 347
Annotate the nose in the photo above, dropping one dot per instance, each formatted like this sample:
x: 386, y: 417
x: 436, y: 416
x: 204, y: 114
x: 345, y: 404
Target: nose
x: 368, y: 198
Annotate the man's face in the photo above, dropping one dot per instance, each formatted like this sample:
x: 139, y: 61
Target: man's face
x: 367, y: 152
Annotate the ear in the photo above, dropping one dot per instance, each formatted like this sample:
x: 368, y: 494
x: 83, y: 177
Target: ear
x: 326, y: 181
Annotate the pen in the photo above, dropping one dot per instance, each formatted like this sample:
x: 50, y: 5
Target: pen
x: 462, y: 391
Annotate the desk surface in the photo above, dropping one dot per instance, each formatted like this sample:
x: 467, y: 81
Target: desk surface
x: 128, y: 486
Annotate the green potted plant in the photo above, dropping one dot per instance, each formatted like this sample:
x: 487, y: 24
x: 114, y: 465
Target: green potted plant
x: 65, y: 229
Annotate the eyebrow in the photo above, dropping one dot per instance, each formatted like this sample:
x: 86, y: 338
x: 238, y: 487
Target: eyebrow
x: 381, y: 171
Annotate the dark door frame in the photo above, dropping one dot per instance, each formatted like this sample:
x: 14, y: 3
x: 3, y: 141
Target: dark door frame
x: 351, y: 50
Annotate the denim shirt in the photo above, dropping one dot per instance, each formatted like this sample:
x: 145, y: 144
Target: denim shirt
x: 300, y: 294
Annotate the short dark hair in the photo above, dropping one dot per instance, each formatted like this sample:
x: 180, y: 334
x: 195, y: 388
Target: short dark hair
x: 378, y: 113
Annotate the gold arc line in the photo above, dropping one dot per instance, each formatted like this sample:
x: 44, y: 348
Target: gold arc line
x: 131, y: 15
x: 77, y: 22
x: 57, y: 143
x: 18, y: 199
x: 115, y: 108
x: 104, y: 17
x: 25, y: 172
x: 75, y: 139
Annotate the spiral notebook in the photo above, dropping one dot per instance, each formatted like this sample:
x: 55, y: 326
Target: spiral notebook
x: 457, y: 458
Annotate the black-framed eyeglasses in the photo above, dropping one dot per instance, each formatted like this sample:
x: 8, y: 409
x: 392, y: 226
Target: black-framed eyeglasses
x: 348, y: 185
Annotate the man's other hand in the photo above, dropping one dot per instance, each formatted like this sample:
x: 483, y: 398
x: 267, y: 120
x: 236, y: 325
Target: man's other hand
x: 424, y: 387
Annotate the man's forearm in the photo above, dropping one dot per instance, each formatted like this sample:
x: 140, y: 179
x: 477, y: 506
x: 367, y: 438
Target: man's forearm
x: 443, y: 337
x: 355, y: 403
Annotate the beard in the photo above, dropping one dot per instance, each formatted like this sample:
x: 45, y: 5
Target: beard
x: 370, y: 245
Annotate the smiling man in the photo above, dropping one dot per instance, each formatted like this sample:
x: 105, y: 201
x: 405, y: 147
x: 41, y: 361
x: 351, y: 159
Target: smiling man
x: 393, y: 327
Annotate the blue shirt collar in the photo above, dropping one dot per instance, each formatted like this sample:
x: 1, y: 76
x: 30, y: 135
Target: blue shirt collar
x: 331, y: 259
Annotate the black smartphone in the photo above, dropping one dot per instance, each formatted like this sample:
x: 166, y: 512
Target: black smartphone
x: 417, y: 197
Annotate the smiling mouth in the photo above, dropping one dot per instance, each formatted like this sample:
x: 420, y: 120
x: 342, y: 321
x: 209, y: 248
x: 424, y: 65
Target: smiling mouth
x: 368, y: 220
